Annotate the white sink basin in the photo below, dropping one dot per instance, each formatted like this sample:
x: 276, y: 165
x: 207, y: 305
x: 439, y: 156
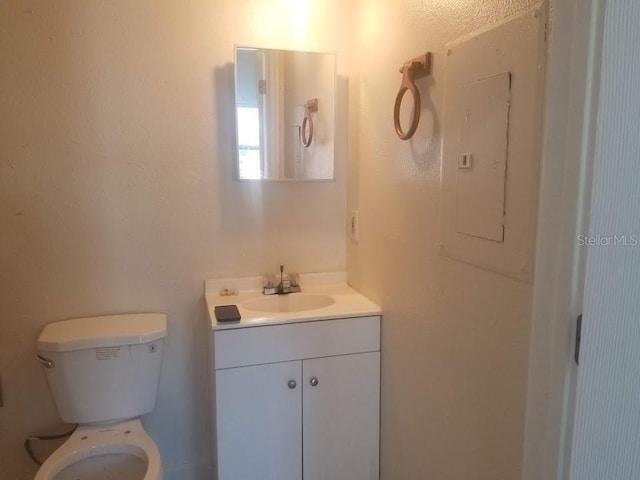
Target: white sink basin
x: 293, y: 302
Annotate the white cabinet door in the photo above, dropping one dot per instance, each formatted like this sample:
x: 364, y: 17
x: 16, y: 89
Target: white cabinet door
x: 341, y: 414
x: 259, y: 429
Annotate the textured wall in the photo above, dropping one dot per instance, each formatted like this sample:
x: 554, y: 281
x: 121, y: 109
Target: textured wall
x: 455, y: 338
x: 116, y: 190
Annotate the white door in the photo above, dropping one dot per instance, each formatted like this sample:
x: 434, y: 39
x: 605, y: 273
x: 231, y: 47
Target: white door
x: 259, y: 422
x: 606, y: 439
x: 341, y: 411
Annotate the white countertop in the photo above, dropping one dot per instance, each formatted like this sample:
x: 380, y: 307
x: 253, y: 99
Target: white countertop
x: 348, y: 302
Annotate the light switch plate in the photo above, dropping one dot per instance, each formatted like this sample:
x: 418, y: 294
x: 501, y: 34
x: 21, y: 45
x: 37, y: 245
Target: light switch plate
x: 354, y: 226
x: 465, y: 160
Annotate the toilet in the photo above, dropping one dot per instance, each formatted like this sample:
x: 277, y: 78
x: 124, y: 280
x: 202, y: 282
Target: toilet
x: 103, y: 373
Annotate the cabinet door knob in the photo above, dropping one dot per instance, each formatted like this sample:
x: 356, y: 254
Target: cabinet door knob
x: 292, y: 384
x: 313, y: 381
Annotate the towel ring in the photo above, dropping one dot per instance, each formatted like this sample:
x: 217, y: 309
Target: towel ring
x: 417, y: 68
x: 309, y: 107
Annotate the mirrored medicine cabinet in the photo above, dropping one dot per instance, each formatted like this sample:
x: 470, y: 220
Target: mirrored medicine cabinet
x: 285, y: 114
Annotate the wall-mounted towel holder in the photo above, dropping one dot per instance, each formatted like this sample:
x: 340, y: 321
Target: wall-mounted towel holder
x: 310, y: 107
x: 416, y: 68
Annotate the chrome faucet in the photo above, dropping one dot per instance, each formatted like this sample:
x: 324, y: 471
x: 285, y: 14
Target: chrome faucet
x: 288, y: 284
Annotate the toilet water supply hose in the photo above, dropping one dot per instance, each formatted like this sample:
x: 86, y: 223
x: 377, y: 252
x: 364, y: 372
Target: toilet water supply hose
x: 32, y: 438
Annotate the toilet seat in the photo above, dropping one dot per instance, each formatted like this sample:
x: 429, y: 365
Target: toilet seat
x: 127, y: 437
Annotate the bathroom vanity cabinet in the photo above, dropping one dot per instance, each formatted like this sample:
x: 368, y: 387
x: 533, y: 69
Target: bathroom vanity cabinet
x: 297, y: 400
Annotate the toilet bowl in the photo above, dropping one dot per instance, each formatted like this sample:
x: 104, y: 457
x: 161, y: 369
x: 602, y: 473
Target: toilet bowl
x: 108, y: 451
x: 104, y: 373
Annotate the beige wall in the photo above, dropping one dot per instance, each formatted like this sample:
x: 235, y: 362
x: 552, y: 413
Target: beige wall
x: 116, y: 194
x: 455, y: 338
x: 116, y: 190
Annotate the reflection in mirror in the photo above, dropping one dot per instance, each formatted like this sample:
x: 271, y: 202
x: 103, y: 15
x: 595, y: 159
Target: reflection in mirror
x: 285, y: 114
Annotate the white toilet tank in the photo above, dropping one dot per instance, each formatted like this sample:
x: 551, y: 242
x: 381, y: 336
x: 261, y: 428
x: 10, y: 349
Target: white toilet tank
x: 103, y: 368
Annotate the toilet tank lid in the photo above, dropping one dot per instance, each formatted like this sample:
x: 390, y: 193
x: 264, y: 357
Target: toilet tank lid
x: 104, y: 331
